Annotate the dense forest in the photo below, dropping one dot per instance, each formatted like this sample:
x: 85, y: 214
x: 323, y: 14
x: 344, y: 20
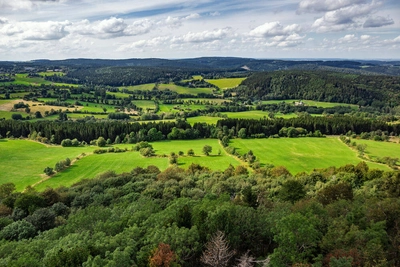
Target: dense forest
x: 56, y: 131
x: 321, y: 86
x: 346, y: 216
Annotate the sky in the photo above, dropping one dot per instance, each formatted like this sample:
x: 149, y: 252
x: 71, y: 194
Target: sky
x: 61, y: 29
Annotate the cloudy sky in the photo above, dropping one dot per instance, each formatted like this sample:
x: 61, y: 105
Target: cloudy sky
x: 59, y: 29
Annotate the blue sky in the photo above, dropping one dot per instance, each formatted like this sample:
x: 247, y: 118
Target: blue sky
x: 59, y: 29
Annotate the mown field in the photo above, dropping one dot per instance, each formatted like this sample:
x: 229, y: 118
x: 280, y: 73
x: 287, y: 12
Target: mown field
x: 301, y: 154
x: 23, y: 161
x: 226, y: 82
x: 376, y: 149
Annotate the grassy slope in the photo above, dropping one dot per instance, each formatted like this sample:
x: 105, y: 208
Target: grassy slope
x: 22, y: 161
x: 213, y: 161
x: 377, y: 149
x: 226, y: 82
x: 90, y: 166
x: 311, y: 103
x: 301, y: 154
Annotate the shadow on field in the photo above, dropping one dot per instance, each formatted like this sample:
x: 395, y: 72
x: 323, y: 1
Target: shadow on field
x: 3, y: 140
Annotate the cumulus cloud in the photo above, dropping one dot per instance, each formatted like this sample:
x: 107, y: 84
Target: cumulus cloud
x: 308, y: 6
x: 204, y: 36
x: 177, y: 21
x: 348, y: 38
x: 278, y: 35
x: 343, y: 18
x: 374, y: 22
x: 23, y: 4
x: 274, y: 28
x: 36, y: 31
x: 111, y: 28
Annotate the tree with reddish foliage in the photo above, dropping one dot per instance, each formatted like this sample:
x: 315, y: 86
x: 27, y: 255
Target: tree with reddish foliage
x: 162, y: 256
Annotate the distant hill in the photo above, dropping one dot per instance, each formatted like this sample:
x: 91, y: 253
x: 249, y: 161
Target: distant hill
x: 226, y: 64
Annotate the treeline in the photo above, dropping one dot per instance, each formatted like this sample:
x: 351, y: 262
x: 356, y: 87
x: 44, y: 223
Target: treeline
x: 122, y: 76
x: 89, y: 130
x: 345, y: 216
x: 324, y: 86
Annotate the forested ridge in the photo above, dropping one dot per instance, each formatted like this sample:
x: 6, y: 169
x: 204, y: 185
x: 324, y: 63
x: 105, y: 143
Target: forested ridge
x: 321, y: 86
x: 56, y: 131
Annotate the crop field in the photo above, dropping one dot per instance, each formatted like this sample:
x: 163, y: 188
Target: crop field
x: 301, y: 154
x: 226, y: 83
x: 311, y: 103
x: 379, y: 149
x: 205, y: 119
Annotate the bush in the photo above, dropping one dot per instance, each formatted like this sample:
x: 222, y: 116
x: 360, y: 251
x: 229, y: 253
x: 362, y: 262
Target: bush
x: 18, y: 230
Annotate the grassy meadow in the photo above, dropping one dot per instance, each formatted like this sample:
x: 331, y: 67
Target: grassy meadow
x: 22, y: 78
x: 310, y: 103
x: 301, y: 154
x: 23, y: 161
x: 378, y: 149
x: 226, y: 82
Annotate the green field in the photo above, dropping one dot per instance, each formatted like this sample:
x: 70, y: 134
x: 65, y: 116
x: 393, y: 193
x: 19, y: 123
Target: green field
x: 22, y: 161
x: 8, y: 114
x: 141, y: 87
x: 171, y: 87
x: 301, y: 154
x: 90, y: 166
x: 205, y: 119
x: 378, y: 149
x: 184, y: 90
x: 178, y: 107
x: 213, y: 161
x: 226, y: 82
x: 22, y: 78
x: 145, y: 104
x: 252, y: 114
x: 310, y: 103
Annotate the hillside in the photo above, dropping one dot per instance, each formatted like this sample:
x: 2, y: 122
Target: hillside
x: 321, y: 86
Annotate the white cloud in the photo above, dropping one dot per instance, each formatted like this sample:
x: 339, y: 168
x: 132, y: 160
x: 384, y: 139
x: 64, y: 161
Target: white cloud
x: 374, y: 22
x: 274, y: 28
x: 204, y: 36
x: 111, y: 28
x: 307, y: 6
x: 40, y: 31
x: 177, y: 21
x: 348, y: 38
x: 344, y: 18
